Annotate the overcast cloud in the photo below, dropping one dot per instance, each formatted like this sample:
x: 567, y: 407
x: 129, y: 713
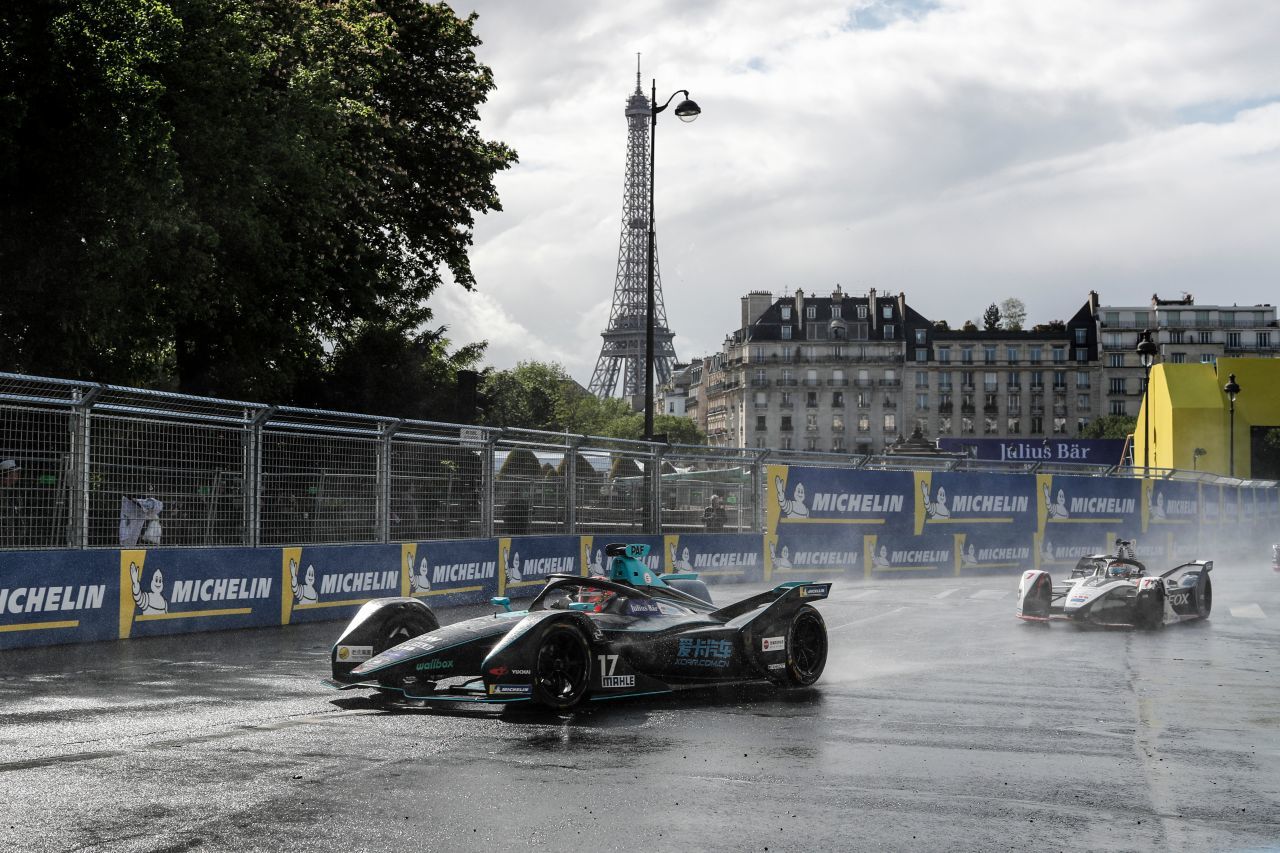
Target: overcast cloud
x: 960, y: 151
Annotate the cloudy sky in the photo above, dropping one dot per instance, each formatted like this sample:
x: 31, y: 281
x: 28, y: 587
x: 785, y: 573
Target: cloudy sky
x: 960, y: 151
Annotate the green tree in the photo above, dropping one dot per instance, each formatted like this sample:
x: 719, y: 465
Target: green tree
x: 221, y: 190
x: 527, y: 396
x: 1051, y: 326
x: 1109, y: 426
x: 991, y: 318
x: 1013, y: 312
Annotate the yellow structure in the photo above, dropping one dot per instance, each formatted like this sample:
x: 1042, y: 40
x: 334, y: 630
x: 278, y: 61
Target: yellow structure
x: 1189, y: 410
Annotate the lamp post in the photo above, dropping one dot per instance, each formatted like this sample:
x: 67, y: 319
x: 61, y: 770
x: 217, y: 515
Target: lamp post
x: 686, y: 110
x: 1195, y: 458
x: 1232, y: 389
x: 1147, y: 352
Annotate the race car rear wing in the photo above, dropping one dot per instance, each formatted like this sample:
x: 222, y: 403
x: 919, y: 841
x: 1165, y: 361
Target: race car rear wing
x: 800, y: 591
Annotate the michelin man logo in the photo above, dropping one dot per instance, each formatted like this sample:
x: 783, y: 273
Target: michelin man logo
x: 795, y: 507
x: 597, y: 563
x: 420, y: 580
x: 683, y: 564
x: 937, y: 508
x: 152, y: 601
x: 1156, y: 509
x: 1046, y: 551
x: 1058, y: 509
x: 303, y: 593
x: 781, y: 559
x: 513, y: 568
x: 969, y: 556
x: 880, y: 559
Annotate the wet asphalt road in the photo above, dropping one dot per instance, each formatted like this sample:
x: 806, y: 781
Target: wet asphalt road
x: 942, y: 723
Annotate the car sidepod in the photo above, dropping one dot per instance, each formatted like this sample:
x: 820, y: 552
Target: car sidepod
x: 1035, y: 596
x: 378, y: 626
x: 1189, y: 592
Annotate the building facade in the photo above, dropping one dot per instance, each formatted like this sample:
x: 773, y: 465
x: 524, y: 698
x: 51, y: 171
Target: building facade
x: 1186, y: 333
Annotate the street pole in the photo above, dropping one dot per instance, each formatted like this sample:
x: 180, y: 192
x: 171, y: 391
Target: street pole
x: 1232, y: 389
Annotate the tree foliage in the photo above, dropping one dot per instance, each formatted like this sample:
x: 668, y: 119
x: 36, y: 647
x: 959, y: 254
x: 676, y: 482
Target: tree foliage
x: 213, y: 193
x: 991, y: 318
x: 1109, y: 426
x: 1013, y: 313
x: 539, y: 395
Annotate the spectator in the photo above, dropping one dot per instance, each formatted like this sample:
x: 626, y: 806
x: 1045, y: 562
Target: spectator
x: 12, y: 520
x: 714, y: 516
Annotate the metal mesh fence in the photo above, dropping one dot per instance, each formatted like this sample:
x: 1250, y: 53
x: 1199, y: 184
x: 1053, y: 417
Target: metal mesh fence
x: 100, y: 466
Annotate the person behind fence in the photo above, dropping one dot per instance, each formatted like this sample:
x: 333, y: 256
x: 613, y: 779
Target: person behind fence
x: 714, y: 516
x: 140, y: 520
x: 12, y: 522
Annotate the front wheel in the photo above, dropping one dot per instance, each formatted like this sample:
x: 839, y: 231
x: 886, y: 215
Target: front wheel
x: 1204, y: 603
x: 561, y: 667
x: 1149, y: 608
x: 403, y: 625
x: 806, y: 648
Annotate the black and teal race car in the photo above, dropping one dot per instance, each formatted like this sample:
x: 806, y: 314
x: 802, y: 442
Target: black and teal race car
x: 632, y: 633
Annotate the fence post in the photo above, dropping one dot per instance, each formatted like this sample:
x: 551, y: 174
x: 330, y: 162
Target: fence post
x: 571, y: 485
x: 487, y: 475
x: 383, y: 477
x: 759, y: 491
x: 78, y: 476
x: 655, y: 487
x: 253, y: 477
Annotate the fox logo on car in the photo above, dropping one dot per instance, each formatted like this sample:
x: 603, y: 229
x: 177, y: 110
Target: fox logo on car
x: 1180, y: 599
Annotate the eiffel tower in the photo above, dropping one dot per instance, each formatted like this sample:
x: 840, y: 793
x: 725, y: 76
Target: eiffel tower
x: 623, y: 350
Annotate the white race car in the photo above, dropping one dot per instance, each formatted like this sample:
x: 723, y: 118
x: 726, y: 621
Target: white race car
x: 1116, y: 591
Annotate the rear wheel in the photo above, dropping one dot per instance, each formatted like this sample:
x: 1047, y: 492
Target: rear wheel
x: 561, y: 666
x: 806, y: 648
x: 1204, y: 603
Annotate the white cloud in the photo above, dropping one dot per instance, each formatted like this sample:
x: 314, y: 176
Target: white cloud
x: 960, y: 152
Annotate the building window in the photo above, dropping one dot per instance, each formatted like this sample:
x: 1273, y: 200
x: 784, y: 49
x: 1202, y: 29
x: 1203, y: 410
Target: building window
x: 1207, y: 358
x: 1082, y: 379
x: 811, y: 312
x: 1082, y: 402
x: 761, y: 424
x: 1117, y: 407
x: 862, y: 312
x: 1059, y: 380
x: 1263, y: 340
x: 944, y: 425
x: 786, y: 423
x: 835, y: 311
x: 786, y: 333
x: 761, y: 377
x: 989, y: 382
x: 922, y: 380
x: 1082, y: 337
x: 944, y: 355
x: 837, y: 399
x: 1112, y: 318
x: 811, y: 422
x: 966, y: 355
x: 811, y: 444
x: 837, y: 444
x: 1059, y: 426
x: 786, y: 399
x: 1015, y: 381
x: 1206, y: 337
x: 1059, y: 355
x: 864, y: 422
x: 989, y: 426
x: 837, y: 423
x: 1015, y: 425
x: 890, y: 422
x: 988, y: 355
x: 1037, y: 355
x: 922, y: 355
x: 1014, y: 403
x: 1082, y: 355
x: 944, y: 381
x: 1176, y: 337
x: 1011, y: 355
x: 921, y: 336
x: 786, y: 442
x: 1178, y: 358
x: 888, y: 332
x: 1116, y: 386
x: 1037, y: 380
x: 922, y: 402
x: 786, y: 312
x: 888, y: 312
x: 811, y: 399
x: 1115, y: 359
x: 966, y: 426
x: 1037, y: 425
x: 762, y: 398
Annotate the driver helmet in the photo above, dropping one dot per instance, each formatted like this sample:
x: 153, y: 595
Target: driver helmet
x: 1117, y: 569
x: 595, y: 596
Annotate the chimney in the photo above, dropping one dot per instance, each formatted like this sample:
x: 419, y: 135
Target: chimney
x: 800, y: 308
x: 871, y: 308
x: 754, y: 304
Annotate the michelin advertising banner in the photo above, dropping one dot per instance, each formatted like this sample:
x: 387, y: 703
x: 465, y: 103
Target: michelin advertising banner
x: 716, y: 557
x: 167, y: 591
x: 51, y: 597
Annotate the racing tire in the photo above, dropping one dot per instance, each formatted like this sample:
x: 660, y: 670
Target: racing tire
x: 561, y: 666
x: 400, y: 626
x: 1149, y: 608
x: 1204, y: 601
x: 806, y: 648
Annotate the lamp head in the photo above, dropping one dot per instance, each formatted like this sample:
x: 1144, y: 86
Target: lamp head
x: 687, y: 110
x: 1147, y: 350
x: 1232, y: 387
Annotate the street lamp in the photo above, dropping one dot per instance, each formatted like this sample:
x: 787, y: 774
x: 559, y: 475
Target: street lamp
x: 1195, y: 457
x: 686, y: 110
x: 1232, y: 389
x: 1147, y: 352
